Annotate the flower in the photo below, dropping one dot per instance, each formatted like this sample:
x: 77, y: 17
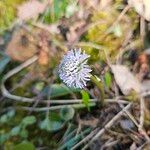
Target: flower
x: 73, y: 69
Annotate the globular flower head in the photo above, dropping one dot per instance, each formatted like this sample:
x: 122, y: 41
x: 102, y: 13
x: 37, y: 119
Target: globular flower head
x: 73, y: 69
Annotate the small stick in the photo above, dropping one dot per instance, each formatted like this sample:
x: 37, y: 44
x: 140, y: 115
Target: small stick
x: 108, y: 125
x: 56, y: 107
x: 120, y: 16
x: 142, y: 106
x: 88, y: 137
x: 142, y: 28
x: 6, y: 93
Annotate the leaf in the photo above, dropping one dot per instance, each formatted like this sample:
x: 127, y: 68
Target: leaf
x: 45, y: 124
x: 29, y: 120
x: 24, y: 133
x: 59, y: 8
x: 4, y: 118
x: 72, y: 140
x: 67, y: 113
x: 15, y: 131
x: 50, y: 125
x: 20, y: 47
x: 11, y: 113
x: 52, y: 14
x: 24, y: 146
x: 125, y: 79
x: 85, y: 98
x: 108, y: 79
x: 145, y: 85
x: 142, y: 7
x: 39, y: 86
x: 58, y: 90
x: 3, y: 62
x: 30, y: 9
x: 4, y: 137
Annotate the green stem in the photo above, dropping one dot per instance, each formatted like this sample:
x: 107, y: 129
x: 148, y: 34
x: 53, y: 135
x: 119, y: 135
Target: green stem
x: 100, y: 86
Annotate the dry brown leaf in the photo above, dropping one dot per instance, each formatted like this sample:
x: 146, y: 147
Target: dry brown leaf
x: 20, y: 47
x: 43, y: 58
x: 142, y: 7
x: 145, y: 87
x: 125, y: 79
x: 30, y: 9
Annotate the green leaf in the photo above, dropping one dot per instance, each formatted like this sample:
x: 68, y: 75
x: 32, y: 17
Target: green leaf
x: 51, y: 125
x: 58, y: 90
x: 3, y: 62
x: 24, y: 146
x: 85, y: 98
x: 29, y: 120
x: 4, y: 118
x: 15, y: 131
x: 4, y: 137
x: 46, y: 16
x: 11, y: 113
x: 67, y: 113
x: 23, y: 133
x: 39, y: 86
x: 108, y: 79
x: 55, y: 12
x: 72, y: 140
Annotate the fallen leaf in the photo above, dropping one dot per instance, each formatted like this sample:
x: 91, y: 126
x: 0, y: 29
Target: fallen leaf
x: 43, y: 58
x: 145, y: 86
x: 125, y: 79
x: 20, y: 48
x: 30, y: 9
x: 142, y: 7
x: 126, y: 124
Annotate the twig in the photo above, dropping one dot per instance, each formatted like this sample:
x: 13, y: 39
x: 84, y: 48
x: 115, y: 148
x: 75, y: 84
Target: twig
x: 142, y: 28
x: 5, y: 92
x: 140, y: 127
x: 142, y: 106
x: 14, y: 71
x: 74, y: 105
x: 132, y: 118
x: 131, y: 45
x: 88, y: 137
x: 108, y: 125
x: 120, y: 16
x: 56, y: 107
x: 109, y: 144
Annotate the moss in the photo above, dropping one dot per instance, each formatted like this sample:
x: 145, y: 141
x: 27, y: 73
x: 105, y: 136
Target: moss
x: 106, y: 34
x: 7, y: 13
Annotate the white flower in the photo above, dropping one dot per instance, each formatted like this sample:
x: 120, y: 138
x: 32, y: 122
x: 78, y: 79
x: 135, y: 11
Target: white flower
x: 73, y: 69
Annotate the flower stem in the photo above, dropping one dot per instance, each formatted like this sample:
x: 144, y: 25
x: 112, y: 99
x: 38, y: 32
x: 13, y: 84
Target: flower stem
x: 100, y: 86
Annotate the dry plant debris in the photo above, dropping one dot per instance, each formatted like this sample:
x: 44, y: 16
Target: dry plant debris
x: 111, y: 111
